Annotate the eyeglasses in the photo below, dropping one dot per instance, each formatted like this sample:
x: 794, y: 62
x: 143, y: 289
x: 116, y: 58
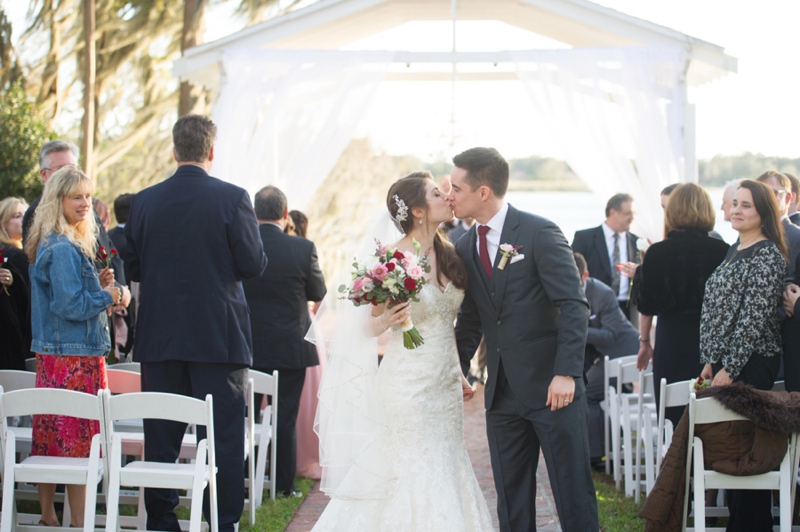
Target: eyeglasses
x: 779, y: 192
x: 56, y: 169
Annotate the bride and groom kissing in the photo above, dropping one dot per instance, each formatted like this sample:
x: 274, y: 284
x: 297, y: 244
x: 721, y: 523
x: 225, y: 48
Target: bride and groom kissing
x: 400, y: 463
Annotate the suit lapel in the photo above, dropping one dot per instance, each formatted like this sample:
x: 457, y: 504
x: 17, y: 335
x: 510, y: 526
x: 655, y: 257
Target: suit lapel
x: 602, y: 249
x: 508, y: 236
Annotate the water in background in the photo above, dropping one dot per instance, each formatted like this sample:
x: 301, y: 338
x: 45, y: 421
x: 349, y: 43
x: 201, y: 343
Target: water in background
x: 573, y: 211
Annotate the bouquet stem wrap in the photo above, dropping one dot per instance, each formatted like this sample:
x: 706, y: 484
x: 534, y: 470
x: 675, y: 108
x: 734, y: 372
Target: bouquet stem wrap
x: 411, y: 337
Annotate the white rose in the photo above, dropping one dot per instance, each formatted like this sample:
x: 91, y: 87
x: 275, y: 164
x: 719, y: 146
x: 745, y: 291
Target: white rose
x: 642, y: 244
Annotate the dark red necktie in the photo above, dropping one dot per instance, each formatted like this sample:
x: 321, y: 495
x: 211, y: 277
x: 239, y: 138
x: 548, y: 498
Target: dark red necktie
x: 484, y: 252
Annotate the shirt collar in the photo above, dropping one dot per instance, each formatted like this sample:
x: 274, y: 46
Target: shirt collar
x: 497, y: 221
x: 608, y: 231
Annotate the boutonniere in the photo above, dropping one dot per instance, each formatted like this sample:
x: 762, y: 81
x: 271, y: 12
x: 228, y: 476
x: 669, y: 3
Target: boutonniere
x: 507, y: 251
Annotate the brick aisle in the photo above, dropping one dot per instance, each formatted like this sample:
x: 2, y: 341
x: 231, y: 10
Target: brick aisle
x: 478, y: 447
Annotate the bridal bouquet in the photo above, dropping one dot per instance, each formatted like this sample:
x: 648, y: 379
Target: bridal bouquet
x: 389, y: 275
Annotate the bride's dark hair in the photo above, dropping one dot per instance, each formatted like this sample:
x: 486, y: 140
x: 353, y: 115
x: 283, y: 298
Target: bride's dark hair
x: 411, y: 189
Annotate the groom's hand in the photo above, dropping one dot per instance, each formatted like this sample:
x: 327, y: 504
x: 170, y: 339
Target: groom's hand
x: 560, y: 392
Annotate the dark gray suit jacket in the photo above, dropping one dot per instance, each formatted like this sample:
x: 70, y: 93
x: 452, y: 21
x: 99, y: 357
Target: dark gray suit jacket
x: 591, y: 243
x: 791, y: 234
x: 533, y: 312
x: 610, y: 332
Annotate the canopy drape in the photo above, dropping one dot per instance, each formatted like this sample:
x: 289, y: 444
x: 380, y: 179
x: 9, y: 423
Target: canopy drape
x: 285, y: 116
x: 617, y: 114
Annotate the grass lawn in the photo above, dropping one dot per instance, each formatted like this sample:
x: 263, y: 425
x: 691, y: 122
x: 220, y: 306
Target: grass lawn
x: 271, y: 516
x: 616, y: 512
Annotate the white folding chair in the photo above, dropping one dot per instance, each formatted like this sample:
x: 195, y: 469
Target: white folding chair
x: 647, y: 421
x: 610, y: 369
x: 631, y: 421
x: 51, y: 469
x: 670, y: 395
x: 127, y: 366
x: 195, y: 477
x: 709, y: 410
x: 264, y: 435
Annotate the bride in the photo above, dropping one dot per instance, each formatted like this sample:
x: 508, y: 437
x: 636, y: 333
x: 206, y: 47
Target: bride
x: 392, y: 439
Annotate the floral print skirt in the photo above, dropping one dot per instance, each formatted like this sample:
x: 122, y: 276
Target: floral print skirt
x: 64, y: 435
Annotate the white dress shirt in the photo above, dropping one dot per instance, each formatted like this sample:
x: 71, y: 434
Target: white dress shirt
x: 495, y: 231
x: 624, y: 282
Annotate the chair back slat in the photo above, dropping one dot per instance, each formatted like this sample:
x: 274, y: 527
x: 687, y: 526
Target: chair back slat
x: 263, y: 383
x: 12, y: 379
x: 135, y: 367
x: 123, y: 381
x: 52, y: 401
x: 709, y: 410
x: 627, y: 374
x: 156, y: 405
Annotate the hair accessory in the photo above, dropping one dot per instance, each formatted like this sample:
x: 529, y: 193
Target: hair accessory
x: 402, y: 209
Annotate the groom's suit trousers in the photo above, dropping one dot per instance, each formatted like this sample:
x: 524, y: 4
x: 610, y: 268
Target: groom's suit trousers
x: 514, y: 430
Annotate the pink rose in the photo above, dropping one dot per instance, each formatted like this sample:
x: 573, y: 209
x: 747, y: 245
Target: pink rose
x: 357, y: 284
x: 415, y: 272
x: 379, y: 271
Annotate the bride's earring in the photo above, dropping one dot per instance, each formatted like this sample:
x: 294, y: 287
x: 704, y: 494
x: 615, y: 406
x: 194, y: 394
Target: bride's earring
x: 420, y: 221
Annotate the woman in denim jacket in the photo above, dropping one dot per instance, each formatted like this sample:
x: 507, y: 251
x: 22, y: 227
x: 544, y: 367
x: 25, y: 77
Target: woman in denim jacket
x: 68, y: 319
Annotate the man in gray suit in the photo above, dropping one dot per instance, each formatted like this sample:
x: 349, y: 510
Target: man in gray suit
x: 791, y: 233
x: 610, y: 334
x: 525, y: 297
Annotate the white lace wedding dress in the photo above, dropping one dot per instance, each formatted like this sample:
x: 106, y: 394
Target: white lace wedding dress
x: 426, y: 479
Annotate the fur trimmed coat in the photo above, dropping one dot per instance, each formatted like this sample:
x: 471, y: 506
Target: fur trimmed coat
x: 734, y: 447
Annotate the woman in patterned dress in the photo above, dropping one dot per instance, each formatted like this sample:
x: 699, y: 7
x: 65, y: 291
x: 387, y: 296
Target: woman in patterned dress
x: 740, y: 336
x: 68, y: 319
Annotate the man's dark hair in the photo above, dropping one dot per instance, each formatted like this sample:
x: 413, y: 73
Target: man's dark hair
x: 669, y: 188
x: 484, y: 166
x: 270, y: 203
x: 122, y: 207
x: 616, y: 202
x: 193, y: 137
x: 580, y: 262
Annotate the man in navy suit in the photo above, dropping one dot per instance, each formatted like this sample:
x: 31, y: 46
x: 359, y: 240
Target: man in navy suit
x: 190, y: 241
x: 609, y: 244
x: 279, y: 316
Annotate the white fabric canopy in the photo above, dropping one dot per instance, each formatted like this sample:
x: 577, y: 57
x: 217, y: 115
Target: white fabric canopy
x: 285, y: 116
x: 617, y: 114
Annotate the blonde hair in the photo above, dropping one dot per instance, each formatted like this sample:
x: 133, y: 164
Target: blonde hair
x: 7, y: 208
x: 50, y: 217
x: 689, y: 207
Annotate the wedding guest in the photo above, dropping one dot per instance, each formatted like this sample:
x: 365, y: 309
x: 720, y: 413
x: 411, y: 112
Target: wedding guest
x: 122, y: 209
x: 11, y: 212
x: 670, y: 284
x: 300, y: 223
x: 279, y: 318
x: 191, y: 240
x: 664, y: 196
x: 15, y: 323
x: 68, y: 316
x: 610, y: 334
x: 794, y: 216
x: 53, y: 156
x: 102, y: 211
x: 727, y: 198
x: 782, y: 188
x: 739, y: 328
x: 460, y: 228
x: 609, y: 244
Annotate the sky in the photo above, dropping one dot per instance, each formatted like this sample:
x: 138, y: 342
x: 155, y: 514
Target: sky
x: 753, y: 110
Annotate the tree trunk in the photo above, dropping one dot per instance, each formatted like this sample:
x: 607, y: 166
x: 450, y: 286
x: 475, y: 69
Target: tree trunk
x: 191, y: 36
x: 88, y: 123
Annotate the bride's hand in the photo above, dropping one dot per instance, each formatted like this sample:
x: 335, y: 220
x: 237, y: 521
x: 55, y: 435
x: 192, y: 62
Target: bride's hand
x: 396, y: 314
x: 466, y: 389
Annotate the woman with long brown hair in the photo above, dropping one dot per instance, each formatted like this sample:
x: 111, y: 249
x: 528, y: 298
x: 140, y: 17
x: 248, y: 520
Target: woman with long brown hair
x: 740, y: 338
x: 416, y: 404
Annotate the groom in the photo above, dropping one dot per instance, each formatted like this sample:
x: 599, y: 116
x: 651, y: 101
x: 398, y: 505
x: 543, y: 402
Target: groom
x: 529, y: 305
